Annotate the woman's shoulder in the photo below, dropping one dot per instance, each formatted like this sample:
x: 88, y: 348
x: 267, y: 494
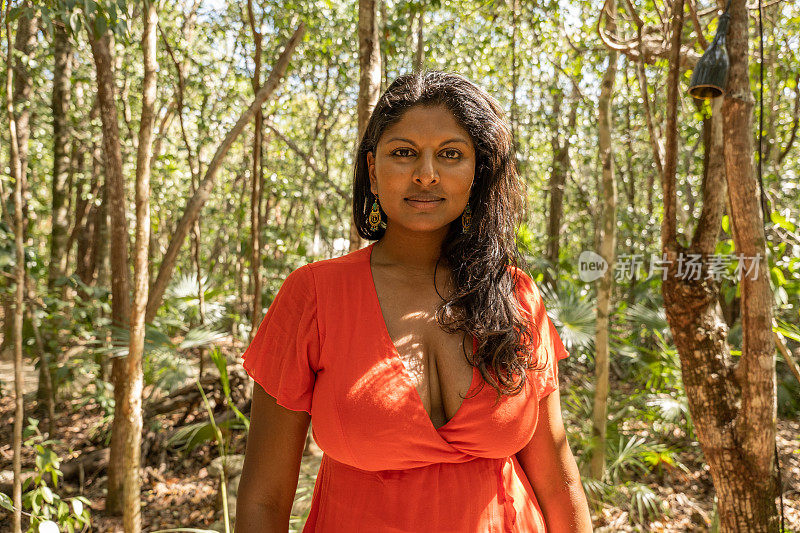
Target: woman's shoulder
x: 325, y: 277
x: 522, y: 280
x: 334, y: 268
x: 525, y: 289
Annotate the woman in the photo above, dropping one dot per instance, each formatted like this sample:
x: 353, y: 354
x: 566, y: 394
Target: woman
x: 427, y: 359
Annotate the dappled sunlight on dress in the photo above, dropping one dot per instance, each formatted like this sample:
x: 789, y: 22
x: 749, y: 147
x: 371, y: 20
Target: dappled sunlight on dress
x: 323, y: 348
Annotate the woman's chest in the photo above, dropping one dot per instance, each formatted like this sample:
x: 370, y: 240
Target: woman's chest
x: 368, y: 411
x: 434, y: 362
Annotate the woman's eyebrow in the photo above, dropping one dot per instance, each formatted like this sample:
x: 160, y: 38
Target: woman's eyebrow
x: 453, y: 140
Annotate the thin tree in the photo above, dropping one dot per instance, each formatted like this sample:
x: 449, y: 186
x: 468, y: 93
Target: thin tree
x: 747, y: 500
x: 16, y: 175
x: 369, y: 83
x: 62, y: 52
x: 560, y: 144
x: 131, y: 409
x: 59, y: 252
x: 24, y: 49
x: 732, y: 403
x: 120, y: 284
x: 257, y: 182
x: 608, y: 238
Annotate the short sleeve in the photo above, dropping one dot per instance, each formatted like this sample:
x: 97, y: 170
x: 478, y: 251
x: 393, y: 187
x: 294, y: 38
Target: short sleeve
x: 284, y: 353
x: 551, y: 348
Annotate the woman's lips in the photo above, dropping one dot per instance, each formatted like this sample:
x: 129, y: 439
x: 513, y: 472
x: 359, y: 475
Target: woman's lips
x: 424, y: 204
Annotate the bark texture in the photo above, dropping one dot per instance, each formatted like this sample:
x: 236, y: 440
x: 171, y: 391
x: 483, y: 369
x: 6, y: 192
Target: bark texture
x: 61, y: 153
x: 131, y: 409
x: 24, y: 47
x: 258, y: 178
x: 19, y: 277
x: 120, y: 284
x: 732, y: 403
x: 369, y: 84
x: 750, y: 503
x: 560, y: 144
x: 608, y: 240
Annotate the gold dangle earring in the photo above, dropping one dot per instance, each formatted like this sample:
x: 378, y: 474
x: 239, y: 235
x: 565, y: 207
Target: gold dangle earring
x: 466, y: 218
x: 375, y: 215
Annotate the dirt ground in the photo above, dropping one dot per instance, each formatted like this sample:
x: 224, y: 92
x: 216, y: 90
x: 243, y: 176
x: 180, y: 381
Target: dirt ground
x: 177, y: 490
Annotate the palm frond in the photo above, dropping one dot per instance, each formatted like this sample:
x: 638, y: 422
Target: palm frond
x: 625, y: 457
x: 652, y: 319
x: 644, y: 504
x: 573, y: 316
x: 201, y: 336
x: 597, y: 491
x: 673, y: 410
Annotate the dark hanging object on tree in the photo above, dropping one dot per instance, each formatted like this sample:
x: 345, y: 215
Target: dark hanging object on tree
x: 711, y: 72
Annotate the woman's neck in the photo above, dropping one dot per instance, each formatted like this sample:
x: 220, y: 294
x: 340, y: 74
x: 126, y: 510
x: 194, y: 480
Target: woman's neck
x: 415, y: 252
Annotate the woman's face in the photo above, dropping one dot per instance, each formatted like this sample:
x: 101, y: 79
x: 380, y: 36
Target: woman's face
x: 422, y: 169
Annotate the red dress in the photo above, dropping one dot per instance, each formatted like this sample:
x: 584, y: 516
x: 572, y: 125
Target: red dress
x: 323, y: 348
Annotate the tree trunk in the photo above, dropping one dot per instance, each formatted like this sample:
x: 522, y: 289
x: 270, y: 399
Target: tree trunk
x: 19, y: 275
x: 88, y: 243
x: 258, y: 179
x: 749, y: 503
x: 369, y: 84
x: 195, y: 204
x: 120, y: 286
x: 61, y: 155
x: 732, y: 404
x: 608, y: 238
x: 131, y: 409
x: 60, y: 192
x: 25, y: 49
x: 24, y: 43
x: 556, y: 186
x: 558, y: 177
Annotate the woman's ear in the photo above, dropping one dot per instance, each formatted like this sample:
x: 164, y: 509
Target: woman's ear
x: 371, y: 171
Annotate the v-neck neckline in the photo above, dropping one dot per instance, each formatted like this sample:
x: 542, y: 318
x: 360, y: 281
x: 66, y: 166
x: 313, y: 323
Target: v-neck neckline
x: 395, y: 354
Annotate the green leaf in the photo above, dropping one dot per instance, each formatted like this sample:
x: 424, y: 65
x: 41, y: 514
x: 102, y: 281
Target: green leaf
x: 778, y: 278
x: 5, y: 502
x: 63, y: 510
x: 221, y: 364
x: 75, y: 22
x: 781, y: 221
x: 47, y: 494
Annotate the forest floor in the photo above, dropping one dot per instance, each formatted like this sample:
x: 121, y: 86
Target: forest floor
x: 177, y: 490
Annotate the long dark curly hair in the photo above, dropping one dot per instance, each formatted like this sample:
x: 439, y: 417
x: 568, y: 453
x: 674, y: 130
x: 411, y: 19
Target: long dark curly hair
x: 483, y: 303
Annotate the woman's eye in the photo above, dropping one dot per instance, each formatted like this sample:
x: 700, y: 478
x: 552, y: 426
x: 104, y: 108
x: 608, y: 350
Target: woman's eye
x: 397, y: 152
x: 456, y: 153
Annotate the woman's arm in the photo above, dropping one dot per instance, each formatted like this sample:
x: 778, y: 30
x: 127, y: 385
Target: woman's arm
x: 271, y: 465
x: 553, y: 473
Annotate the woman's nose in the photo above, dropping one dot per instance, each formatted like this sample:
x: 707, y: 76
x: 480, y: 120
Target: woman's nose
x: 426, y: 171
